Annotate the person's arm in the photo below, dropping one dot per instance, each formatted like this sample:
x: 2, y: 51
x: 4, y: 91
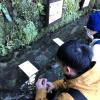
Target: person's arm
x: 59, y: 84
x: 41, y: 94
x: 41, y: 89
x: 65, y: 96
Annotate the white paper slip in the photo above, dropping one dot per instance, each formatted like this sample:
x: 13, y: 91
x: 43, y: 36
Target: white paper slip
x: 32, y: 79
x: 54, y: 12
x: 86, y: 3
x: 58, y: 41
x: 28, y: 68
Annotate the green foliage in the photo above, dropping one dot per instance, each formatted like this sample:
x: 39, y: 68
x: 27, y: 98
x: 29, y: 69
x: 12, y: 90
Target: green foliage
x: 3, y: 50
x: 40, y: 6
x: 14, y: 44
x: 1, y: 35
x: 26, y: 35
x: 5, y: 11
x: 71, y: 5
x: 27, y: 10
x: 22, y: 31
x: 29, y: 32
x: 24, y: 21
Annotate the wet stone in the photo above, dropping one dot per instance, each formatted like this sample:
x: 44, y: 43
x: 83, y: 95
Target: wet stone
x: 41, y: 60
x: 3, y: 65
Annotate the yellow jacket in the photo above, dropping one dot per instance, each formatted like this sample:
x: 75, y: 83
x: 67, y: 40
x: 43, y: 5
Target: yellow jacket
x: 88, y: 84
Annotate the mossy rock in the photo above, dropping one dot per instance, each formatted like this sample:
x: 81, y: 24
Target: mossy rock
x: 7, y: 57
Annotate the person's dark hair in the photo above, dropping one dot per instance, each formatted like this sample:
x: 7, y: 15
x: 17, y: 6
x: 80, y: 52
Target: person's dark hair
x: 75, y: 54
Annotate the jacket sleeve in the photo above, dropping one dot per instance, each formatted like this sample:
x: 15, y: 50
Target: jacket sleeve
x: 41, y: 94
x: 59, y: 84
x: 65, y: 96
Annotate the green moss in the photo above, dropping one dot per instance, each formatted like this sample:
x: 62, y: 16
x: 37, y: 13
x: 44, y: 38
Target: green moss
x: 27, y: 10
x: 3, y: 50
x: 29, y: 32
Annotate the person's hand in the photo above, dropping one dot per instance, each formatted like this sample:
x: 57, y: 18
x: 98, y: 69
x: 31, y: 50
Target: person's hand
x: 41, y: 84
x: 90, y: 33
x: 50, y: 86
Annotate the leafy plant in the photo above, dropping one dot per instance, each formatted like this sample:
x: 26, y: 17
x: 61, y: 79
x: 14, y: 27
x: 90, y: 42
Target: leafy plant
x: 28, y: 10
x: 15, y: 44
x: 5, y: 11
x: 3, y: 50
x: 29, y: 32
x: 27, y: 21
x: 40, y: 6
